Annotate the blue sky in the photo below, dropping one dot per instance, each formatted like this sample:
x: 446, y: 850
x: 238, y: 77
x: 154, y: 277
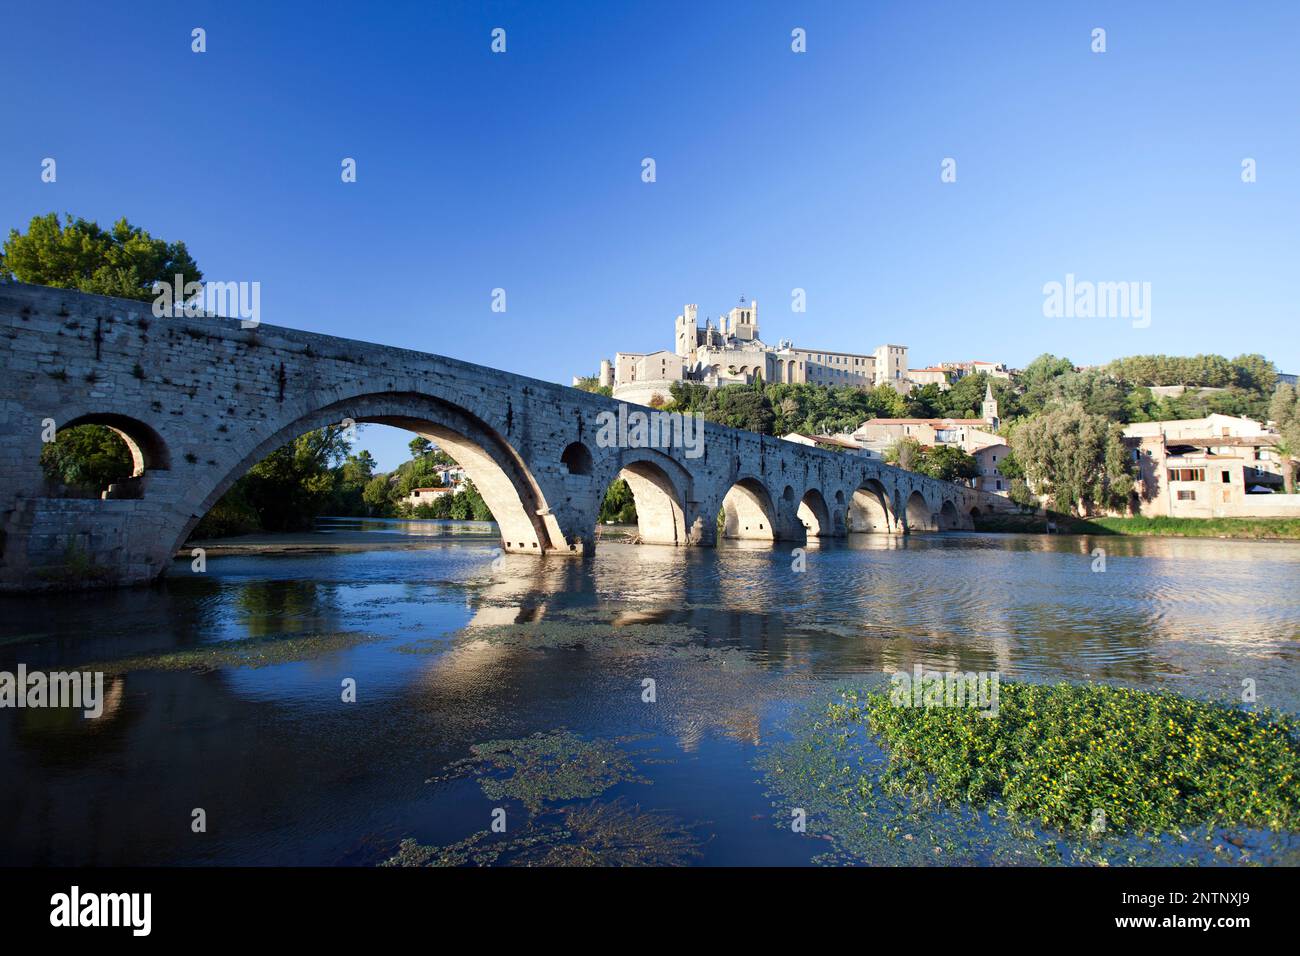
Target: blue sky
x: 775, y: 170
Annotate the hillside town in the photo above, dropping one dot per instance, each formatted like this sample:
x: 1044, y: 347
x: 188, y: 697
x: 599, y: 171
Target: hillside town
x: 1211, y: 465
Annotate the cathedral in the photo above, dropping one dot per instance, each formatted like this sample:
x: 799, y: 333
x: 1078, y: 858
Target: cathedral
x: 732, y: 352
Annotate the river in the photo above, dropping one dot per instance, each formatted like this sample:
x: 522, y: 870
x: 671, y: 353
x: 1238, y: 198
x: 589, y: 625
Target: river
x: 658, y: 680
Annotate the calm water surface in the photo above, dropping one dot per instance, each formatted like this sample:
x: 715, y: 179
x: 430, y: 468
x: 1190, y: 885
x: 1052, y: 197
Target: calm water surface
x: 452, y: 645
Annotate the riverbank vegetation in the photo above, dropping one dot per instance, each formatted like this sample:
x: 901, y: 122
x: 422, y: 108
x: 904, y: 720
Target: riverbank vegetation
x: 1274, y: 528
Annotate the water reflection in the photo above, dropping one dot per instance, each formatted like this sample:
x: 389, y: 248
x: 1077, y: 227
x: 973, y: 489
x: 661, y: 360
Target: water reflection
x: 452, y: 643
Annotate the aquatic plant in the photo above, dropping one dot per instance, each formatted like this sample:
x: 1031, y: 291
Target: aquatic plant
x: 242, y: 652
x: 592, y: 834
x: 1066, y: 754
x: 545, y: 767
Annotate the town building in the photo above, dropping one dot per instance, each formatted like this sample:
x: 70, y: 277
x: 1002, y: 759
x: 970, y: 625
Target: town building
x: 733, y: 353
x: 841, y: 443
x: 1219, y: 466
x: 962, y: 369
x: 934, y: 375
x: 427, y: 496
x: 975, y: 436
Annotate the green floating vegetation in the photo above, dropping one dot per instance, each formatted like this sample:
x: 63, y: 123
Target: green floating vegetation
x: 545, y: 767
x: 241, y: 652
x: 593, y: 834
x: 1060, y: 754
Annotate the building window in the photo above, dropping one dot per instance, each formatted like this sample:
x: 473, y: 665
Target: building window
x: 1186, y: 496
x: 1186, y: 474
x: 1227, y: 477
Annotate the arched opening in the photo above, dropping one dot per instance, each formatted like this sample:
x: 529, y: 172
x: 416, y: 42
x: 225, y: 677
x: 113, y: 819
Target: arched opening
x: 869, y: 511
x: 644, y: 499
x: 577, y: 459
x: 814, y: 515
x: 974, y: 513
x: 747, y: 512
x: 102, y: 456
x: 949, y: 519
x: 486, y: 460
x: 918, y: 513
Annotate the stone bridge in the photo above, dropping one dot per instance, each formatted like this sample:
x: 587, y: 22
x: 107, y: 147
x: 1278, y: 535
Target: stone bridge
x: 200, y: 400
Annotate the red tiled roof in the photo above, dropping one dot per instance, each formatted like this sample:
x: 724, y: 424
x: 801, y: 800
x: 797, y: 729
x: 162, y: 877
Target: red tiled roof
x: 924, y: 421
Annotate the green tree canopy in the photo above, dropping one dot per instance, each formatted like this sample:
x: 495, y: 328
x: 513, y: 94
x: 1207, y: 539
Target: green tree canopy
x: 90, y: 457
x: 1284, y: 411
x: 1077, y: 459
x: 123, y: 261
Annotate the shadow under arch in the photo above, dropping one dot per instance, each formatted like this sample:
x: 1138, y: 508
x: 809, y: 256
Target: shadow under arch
x: 500, y: 475
x: 869, y: 509
x: 949, y: 519
x: 748, y: 511
x: 814, y: 515
x: 918, y: 513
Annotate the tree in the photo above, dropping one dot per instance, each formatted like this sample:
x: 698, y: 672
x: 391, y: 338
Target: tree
x: 905, y: 453
x: 591, y: 383
x: 90, y: 457
x: 294, y: 484
x: 420, y: 446
x: 123, y: 261
x: 1284, y: 412
x: 1077, y: 459
x: 1038, y: 380
x: 378, y: 497
x: 1021, y: 495
x: 1010, y: 466
x: 618, y: 505
x: 948, y: 463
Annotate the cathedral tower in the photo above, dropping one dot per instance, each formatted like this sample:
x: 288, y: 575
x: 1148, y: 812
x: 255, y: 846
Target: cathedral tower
x: 687, y: 335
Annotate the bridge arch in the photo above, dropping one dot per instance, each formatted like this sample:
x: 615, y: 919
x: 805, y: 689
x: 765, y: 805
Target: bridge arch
x: 660, y: 488
x: 489, y: 461
x: 748, y: 511
x: 148, y: 450
x: 576, y: 457
x: 814, y: 515
x: 917, y: 513
x: 870, y: 510
x: 949, y: 519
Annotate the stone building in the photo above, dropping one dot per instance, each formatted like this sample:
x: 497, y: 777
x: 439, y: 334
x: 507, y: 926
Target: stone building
x: 1220, y: 466
x: 733, y: 353
x: 427, y: 496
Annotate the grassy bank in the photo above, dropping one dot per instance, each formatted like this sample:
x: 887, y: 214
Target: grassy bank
x: 1278, y: 528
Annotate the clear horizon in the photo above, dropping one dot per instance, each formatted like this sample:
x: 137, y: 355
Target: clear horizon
x: 775, y: 170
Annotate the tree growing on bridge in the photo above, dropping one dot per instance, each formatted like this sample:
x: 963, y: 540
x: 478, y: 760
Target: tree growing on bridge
x: 124, y: 260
